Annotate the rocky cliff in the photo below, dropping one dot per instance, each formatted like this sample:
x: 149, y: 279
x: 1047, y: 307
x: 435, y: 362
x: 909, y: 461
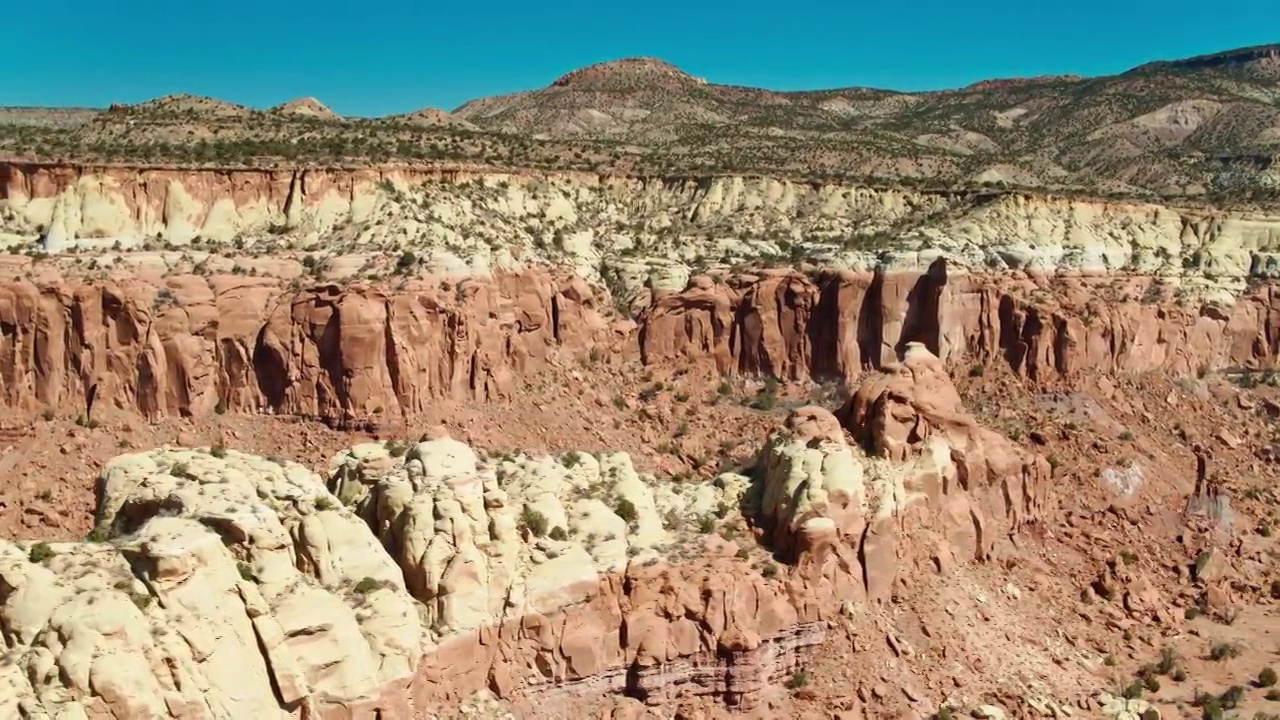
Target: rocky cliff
x: 361, y: 355
x: 633, y: 231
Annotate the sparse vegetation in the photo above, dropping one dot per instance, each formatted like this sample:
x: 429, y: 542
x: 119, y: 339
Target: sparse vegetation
x: 40, y: 553
x: 798, y: 679
x: 533, y: 522
x: 1223, y: 651
x: 99, y: 534
x: 626, y: 510
x: 367, y: 585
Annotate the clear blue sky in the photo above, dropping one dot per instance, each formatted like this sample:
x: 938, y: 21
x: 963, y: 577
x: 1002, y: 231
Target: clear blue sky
x: 373, y: 57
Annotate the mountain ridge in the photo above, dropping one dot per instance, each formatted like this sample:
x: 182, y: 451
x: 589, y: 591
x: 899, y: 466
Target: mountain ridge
x: 1205, y: 126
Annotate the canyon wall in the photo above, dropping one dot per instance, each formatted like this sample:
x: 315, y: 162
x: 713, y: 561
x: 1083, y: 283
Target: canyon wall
x: 640, y: 230
x: 364, y: 355
x: 837, y: 324
x: 435, y: 572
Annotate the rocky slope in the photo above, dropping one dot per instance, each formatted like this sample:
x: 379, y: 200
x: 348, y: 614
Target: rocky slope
x: 545, y: 580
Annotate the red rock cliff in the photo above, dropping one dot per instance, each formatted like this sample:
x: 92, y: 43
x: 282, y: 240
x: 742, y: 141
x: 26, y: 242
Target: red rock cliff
x: 838, y: 324
x: 339, y: 354
x: 360, y: 354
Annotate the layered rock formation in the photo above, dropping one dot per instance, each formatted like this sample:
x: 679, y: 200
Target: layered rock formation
x: 234, y: 587
x: 836, y: 324
x: 656, y: 229
x: 924, y: 483
x: 358, y: 355
x: 580, y: 576
x: 345, y: 355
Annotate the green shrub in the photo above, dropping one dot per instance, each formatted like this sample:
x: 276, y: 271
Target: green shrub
x: 98, y: 534
x: 1232, y: 697
x: 534, y: 521
x: 558, y: 533
x: 626, y: 510
x: 40, y: 552
x: 1266, y: 678
x: 798, y: 679
x: 367, y: 585
x: 1223, y: 651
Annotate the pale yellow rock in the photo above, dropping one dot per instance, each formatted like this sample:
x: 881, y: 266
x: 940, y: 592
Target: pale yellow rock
x: 641, y: 234
x: 483, y: 540
x: 253, y: 593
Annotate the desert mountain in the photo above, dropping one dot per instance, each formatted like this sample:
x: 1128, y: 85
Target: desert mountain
x: 1207, y: 125
x: 183, y: 103
x: 306, y: 107
x: 432, y: 117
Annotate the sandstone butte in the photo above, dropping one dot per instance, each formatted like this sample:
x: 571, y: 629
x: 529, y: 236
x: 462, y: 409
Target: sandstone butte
x: 224, y: 585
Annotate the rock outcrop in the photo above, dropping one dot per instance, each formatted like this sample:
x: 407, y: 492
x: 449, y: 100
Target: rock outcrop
x: 642, y: 230
x: 577, y: 575
x: 221, y: 585
x: 216, y: 585
x: 792, y: 325
x: 922, y: 484
x: 362, y: 356
x: 349, y: 356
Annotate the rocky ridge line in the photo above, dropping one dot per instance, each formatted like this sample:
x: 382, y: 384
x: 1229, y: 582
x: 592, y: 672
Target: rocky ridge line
x: 361, y: 356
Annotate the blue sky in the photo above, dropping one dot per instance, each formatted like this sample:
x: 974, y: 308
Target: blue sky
x: 383, y: 56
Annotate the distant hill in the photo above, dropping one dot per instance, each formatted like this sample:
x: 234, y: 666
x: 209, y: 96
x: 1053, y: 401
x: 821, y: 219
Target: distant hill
x: 306, y: 107
x: 1207, y: 125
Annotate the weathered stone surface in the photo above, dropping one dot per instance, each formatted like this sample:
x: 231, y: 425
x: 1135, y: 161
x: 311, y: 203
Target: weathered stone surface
x: 235, y: 587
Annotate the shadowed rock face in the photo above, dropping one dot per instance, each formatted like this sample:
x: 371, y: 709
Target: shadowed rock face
x: 839, y: 324
x: 355, y: 356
